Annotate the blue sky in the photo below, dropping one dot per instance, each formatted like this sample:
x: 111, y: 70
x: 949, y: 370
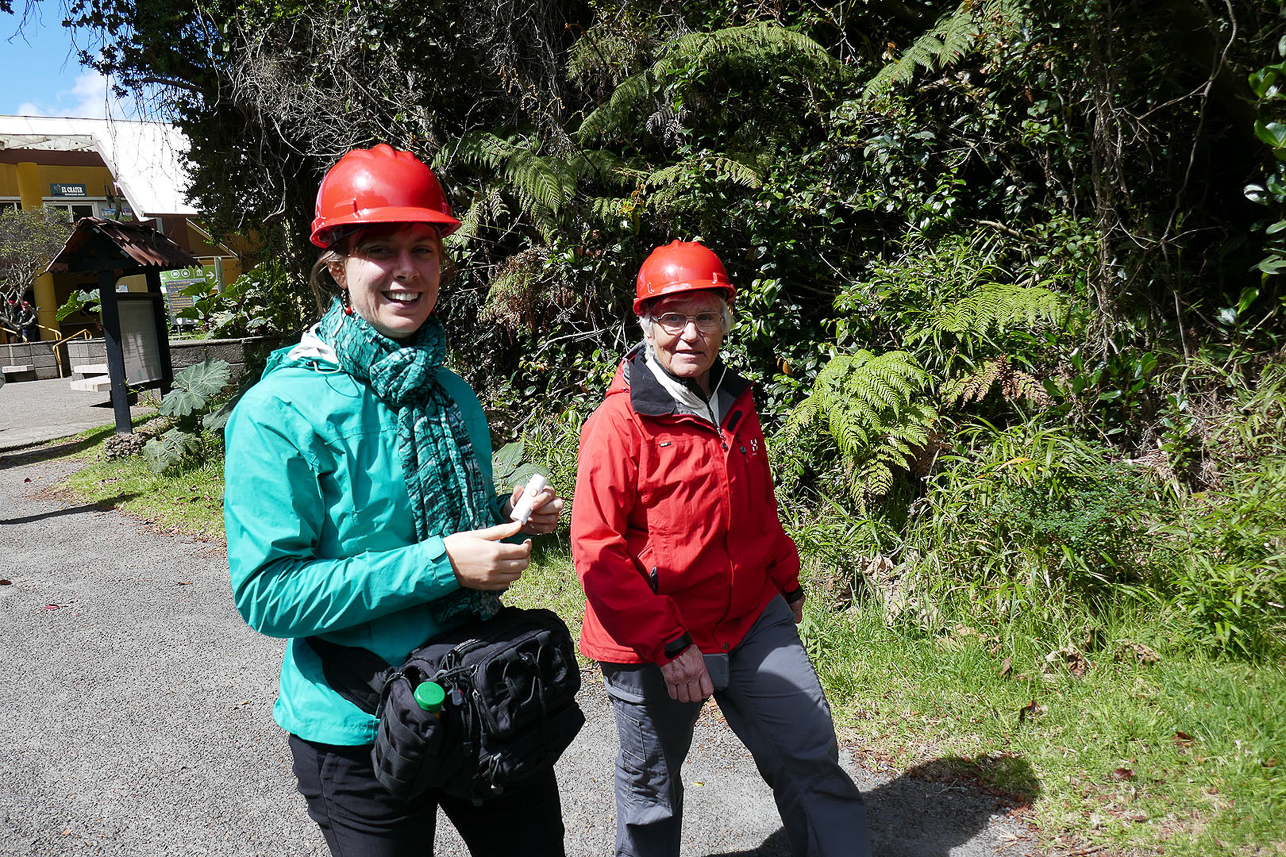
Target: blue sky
x: 40, y: 72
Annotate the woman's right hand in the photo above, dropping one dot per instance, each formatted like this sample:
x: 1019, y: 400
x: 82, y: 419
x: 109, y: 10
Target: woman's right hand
x: 481, y: 560
x: 686, y: 677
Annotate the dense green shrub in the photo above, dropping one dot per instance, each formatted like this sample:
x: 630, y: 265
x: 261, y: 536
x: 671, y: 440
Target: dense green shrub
x: 265, y: 301
x: 1229, y: 563
x: 1033, y: 520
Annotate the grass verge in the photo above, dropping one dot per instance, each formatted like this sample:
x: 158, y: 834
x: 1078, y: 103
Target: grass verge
x: 1179, y: 755
x: 186, y: 500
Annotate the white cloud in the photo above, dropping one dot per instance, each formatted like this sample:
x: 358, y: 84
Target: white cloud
x: 26, y: 108
x: 91, y: 97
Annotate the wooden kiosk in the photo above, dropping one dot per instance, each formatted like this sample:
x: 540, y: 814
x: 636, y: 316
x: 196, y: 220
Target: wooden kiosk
x: 135, y: 324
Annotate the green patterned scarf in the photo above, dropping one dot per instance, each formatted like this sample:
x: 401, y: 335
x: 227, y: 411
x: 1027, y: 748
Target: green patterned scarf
x: 448, y: 493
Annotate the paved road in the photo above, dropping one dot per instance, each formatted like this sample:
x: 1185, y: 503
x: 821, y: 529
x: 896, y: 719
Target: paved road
x: 136, y: 710
x: 33, y: 412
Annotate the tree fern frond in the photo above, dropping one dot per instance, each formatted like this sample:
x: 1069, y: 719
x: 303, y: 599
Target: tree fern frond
x: 622, y: 106
x: 875, y: 480
x: 540, y: 182
x: 761, y: 40
x: 1013, y: 384
x: 866, y: 402
x: 957, y: 33
x: 801, y: 416
x: 950, y: 39
x: 755, y: 45
x: 487, y: 207
x: 479, y: 148
x: 602, y: 166
x: 737, y: 172
x: 610, y: 208
x: 1000, y: 307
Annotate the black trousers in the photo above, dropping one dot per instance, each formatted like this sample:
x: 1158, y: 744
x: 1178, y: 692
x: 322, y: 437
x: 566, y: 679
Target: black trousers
x: 361, y: 819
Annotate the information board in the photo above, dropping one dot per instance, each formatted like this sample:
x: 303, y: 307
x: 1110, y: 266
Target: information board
x: 139, y: 342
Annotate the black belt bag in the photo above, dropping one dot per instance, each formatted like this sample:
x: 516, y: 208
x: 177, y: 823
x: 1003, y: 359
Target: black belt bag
x: 510, y: 708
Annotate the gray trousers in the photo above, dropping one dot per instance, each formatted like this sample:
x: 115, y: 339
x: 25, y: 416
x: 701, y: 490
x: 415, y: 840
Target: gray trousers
x: 775, y: 705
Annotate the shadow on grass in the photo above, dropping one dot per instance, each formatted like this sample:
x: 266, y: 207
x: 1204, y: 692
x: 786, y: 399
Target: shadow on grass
x: 934, y: 808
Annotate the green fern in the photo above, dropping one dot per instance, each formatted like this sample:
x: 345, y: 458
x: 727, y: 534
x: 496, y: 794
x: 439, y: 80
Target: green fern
x: 866, y: 402
x: 542, y: 184
x: 487, y: 207
x: 952, y: 37
x: 1013, y: 384
x: 997, y: 307
x: 754, y: 46
x: 670, y: 183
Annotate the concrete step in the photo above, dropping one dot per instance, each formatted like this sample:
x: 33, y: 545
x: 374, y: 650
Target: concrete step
x: 20, y: 372
x: 85, y: 370
x: 96, y: 384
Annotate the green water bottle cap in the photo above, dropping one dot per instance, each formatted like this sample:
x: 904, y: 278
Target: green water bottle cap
x: 429, y: 695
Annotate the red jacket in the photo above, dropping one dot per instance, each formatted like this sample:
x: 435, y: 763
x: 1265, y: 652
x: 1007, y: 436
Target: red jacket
x: 674, y: 524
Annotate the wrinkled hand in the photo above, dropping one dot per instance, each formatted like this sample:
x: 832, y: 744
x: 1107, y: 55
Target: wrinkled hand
x: 481, y: 560
x: 544, y: 512
x: 798, y: 609
x: 686, y: 678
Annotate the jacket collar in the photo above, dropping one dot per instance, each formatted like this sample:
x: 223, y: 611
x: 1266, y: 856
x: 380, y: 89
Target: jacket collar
x: 649, y: 398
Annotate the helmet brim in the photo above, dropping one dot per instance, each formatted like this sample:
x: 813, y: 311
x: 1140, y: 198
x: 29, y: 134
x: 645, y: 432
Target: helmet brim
x: 324, y: 236
x: 729, y: 293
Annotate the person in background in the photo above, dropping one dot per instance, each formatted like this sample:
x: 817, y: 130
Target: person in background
x: 359, y: 507
x: 692, y: 585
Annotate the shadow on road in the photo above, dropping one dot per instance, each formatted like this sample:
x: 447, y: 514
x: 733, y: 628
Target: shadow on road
x: 107, y: 504
x: 933, y: 808
x: 57, y: 449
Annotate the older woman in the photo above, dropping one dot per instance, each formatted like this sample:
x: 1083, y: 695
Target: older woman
x: 359, y: 507
x: 692, y: 585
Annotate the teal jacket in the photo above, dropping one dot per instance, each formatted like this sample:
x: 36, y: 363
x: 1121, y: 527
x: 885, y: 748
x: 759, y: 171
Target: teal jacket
x: 321, y: 538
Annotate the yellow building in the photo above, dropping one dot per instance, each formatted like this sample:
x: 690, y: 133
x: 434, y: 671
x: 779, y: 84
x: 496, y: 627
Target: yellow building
x: 111, y: 169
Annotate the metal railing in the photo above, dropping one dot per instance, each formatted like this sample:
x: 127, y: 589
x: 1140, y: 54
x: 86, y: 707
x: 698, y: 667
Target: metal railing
x: 83, y: 333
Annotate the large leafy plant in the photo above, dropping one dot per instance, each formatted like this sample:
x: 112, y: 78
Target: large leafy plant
x: 191, y: 405
x: 264, y: 301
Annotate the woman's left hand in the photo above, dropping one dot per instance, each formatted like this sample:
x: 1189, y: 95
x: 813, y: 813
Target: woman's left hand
x: 544, y: 511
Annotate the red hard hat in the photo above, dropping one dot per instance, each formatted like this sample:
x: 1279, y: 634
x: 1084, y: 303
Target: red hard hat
x: 379, y: 185
x: 680, y: 266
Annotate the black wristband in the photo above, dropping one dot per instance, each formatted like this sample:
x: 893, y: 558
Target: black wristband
x: 678, y: 645
x: 794, y: 595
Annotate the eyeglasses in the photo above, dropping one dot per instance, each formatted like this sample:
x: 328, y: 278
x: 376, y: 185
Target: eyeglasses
x: 677, y: 322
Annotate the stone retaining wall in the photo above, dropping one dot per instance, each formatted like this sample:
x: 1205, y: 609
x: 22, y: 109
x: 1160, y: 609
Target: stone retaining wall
x: 185, y: 352
x: 37, y: 354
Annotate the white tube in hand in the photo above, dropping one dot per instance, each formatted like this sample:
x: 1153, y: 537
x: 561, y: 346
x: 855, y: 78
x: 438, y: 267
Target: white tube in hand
x: 522, y: 509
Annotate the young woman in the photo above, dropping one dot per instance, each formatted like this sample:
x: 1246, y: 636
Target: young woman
x: 359, y: 507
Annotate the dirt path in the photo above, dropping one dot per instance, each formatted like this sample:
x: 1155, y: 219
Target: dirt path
x: 137, y: 716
